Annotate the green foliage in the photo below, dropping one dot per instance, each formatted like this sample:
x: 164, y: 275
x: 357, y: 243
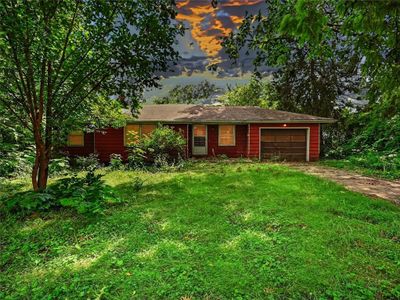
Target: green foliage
x: 88, y: 195
x: 28, y: 202
x: 116, y: 161
x: 136, y: 157
x: 15, y: 162
x: 163, y: 147
x: 326, y: 50
x: 59, y: 166
x: 61, y: 61
x: 255, y: 93
x: 266, y: 232
x: 372, y: 163
x: 87, y: 162
x: 137, y: 184
x: 189, y: 94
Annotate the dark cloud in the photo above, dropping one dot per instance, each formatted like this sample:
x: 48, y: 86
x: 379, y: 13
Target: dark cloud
x: 201, y: 44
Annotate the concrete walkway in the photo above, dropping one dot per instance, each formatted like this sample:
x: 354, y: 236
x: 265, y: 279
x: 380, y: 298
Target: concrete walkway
x: 372, y: 187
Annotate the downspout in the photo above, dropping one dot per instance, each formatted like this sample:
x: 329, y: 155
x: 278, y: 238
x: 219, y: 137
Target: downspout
x: 187, y: 140
x: 94, y: 142
x: 248, y: 140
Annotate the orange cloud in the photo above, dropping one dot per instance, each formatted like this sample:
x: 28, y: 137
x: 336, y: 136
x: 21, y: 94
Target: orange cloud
x: 205, y: 26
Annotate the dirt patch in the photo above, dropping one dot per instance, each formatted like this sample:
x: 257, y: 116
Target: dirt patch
x: 385, y: 189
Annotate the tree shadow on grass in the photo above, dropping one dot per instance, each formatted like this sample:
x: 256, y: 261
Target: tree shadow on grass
x: 218, y: 232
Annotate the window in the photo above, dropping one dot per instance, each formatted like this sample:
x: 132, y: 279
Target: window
x: 226, y: 135
x: 147, y: 129
x: 76, y: 138
x: 199, y: 130
x: 134, y: 131
x: 199, y: 135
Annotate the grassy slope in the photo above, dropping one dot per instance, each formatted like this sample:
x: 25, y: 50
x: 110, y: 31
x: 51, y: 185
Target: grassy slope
x: 351, y: 166
x: 223, y: 231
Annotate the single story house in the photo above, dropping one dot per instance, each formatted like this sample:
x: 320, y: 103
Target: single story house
x: 209, y: 130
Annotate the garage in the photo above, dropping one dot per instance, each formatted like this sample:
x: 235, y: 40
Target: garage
x: 284, y: 144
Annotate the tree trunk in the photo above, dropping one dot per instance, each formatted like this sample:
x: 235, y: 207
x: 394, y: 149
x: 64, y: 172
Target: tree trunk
x: 43, y: 172
x: 40, y: 172
x: 35, y: 171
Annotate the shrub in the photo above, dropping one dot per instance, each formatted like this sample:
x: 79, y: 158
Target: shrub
x: 88, y: 195
x: 386, y: 162
x: 59, y: 166
x: 137, y: 184
x: 136, y: 158
x: 164, y: 147
x: 87, y: 162
x: 27, y: 202
x: 16, y: 163
x: 115, y: 161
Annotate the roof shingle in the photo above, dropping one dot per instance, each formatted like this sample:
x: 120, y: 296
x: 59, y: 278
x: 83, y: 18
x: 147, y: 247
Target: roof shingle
x: 191, y: 113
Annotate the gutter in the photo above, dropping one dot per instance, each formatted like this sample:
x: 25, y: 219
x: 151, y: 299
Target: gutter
x: 324, y: 121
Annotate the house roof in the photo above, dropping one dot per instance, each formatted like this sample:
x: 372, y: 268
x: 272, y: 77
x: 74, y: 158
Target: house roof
x: 192, y: 113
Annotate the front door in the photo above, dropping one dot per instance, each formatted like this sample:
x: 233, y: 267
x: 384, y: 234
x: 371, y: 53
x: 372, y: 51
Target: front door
x: 199, y: 139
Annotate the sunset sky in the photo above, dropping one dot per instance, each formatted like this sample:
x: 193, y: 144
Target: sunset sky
x: 201, y: 44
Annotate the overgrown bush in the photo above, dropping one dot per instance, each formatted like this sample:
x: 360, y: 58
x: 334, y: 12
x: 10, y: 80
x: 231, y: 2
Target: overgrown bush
x: 164, y: 147
x: 385, y: 162
x: 382, y: 164
x: 88, y: 195
x: 136, y: 158
x: 87, y: 162
x: 59, y: 166
x: 116, y: 161
x: 16, y: 163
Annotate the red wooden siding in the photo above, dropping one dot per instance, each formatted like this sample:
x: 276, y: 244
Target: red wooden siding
x: 254, y: 150
x: 240, y: 149
x: 111, y: 140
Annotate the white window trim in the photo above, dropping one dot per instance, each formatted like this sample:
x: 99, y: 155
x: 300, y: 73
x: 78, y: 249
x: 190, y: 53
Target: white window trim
x: 219, y: 135
x: 307, y: 137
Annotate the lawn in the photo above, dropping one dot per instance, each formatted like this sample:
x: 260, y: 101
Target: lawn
x: 214, y: 231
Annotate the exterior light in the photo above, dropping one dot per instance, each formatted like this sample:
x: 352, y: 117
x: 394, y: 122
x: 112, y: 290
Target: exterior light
x: 284, y: 125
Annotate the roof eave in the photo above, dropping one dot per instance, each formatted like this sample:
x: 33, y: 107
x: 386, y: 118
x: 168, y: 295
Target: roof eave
x: 324, y: 121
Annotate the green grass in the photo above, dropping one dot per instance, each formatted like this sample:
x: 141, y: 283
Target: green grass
x: 214, y: 231
x: 350, y: 165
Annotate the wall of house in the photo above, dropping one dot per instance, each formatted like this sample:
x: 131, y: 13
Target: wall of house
x: 239, y: 150
x: 81, y: 150
x: 111, y: 140
x: 254, y: 143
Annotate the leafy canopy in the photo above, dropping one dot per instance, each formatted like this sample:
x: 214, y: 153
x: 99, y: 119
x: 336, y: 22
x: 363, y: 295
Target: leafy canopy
x: 189, y: 94
x: 58, y: 57
x: 256, y: 93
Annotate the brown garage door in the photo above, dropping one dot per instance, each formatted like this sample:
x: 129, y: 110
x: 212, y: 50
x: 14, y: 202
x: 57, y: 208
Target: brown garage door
x: 284, y: 144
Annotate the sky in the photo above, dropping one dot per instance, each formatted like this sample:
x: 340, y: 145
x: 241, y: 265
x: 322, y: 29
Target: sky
x: 201, y: 44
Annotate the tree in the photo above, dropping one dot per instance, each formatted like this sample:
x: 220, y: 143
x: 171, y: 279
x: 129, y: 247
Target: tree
x: 306, y: 80
x: 189, y: 94
x: 370, y: 29
x: 57, y: 56
x: 255, y: 93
